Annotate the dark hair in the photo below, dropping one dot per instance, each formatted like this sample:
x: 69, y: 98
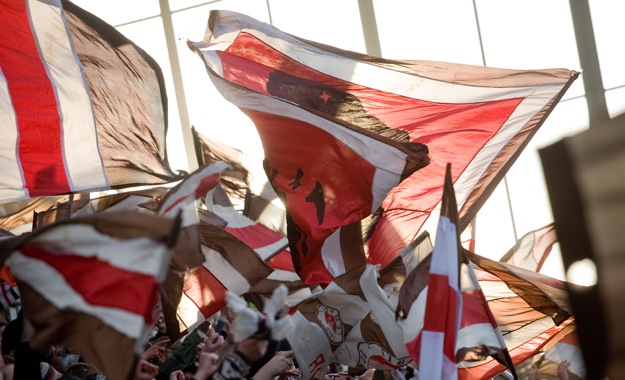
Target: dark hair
x: 81, y: 370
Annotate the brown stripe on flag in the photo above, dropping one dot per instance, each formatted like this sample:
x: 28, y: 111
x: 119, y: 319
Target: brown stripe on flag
x: 109, y: 350
x: 16, y: 214
x: 542, y: 293
x: 237, y: 253
x: 129, y: 100
x: 61, y: 210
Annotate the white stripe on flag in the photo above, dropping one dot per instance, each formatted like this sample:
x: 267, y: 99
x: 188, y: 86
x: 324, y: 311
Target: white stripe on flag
x: 332, y: 254
x: 11, y: 182
x: 444, y: 257
x: 467, y: 336
x: 432, y: 363
x: 228, y: 213
x: 413, y: 324
x: 51, y: 285
x: 81, y: 153
x: 189, y: 313
x: 267, y: 251
x: 224, y: 271
x: 283, y: 275
x: 382, y: 310
x: 144, y: 255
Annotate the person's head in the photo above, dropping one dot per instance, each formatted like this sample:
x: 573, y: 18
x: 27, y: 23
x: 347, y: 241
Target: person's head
x: 81, y: 370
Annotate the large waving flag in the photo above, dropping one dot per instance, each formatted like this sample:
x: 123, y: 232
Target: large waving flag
x: 479, y: 119
x: 92, y: 284
x: 331, y: 164
x: 82, y: 107
x: 448, y: 319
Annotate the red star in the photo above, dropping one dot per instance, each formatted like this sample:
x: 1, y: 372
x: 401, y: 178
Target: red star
x: 325, y: 97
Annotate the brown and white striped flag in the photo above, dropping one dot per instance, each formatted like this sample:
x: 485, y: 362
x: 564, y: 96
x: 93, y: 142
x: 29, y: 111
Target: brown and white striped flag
x: 92, y: 284
x: 84, y: 108
x: 229, y: 264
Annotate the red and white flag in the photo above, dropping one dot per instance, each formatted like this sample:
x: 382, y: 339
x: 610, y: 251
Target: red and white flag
x: 329, y: 172
x: 181, y: 200
x: 448, y: 319
x: 229, y: 264
x: 434, y: 347
x: 82, y: 107
x: 92, y: 284
x: 479, y: 119
x: 532, y: 249
x: 270, y: 245
x: 246, y: 184
x: 8, y: 294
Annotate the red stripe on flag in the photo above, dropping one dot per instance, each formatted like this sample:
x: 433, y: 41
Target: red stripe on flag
x: 473, y: 309
x: 176, y: 203
x: 440, y: 317
x: 101, y: 284
x: 282, y: 261
x: 33, y: 98
x: 205, y: 290
x: 437, y: 317
x: 255, y: 236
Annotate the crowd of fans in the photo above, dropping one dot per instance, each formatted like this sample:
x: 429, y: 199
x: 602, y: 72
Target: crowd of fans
x: 210, y: 351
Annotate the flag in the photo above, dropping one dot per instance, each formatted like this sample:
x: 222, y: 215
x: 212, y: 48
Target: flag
x: 329, y: 162
x: 84, y: 108
x: 92, y: 284
x: 531, y: 309
x: 351, y: 323
x: 532, y: 249
x: 229, y: 264
x: 181, y: 199
x: 17, y: 216
x: 434, y: 346
x: 247, y: 184
x: 447, y: 317
x: 476, y: 118
x: 188, y: 254
x: 266, y: 242
x: 271, y: 246
x: 61, y: 210
x: 547, y: 362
